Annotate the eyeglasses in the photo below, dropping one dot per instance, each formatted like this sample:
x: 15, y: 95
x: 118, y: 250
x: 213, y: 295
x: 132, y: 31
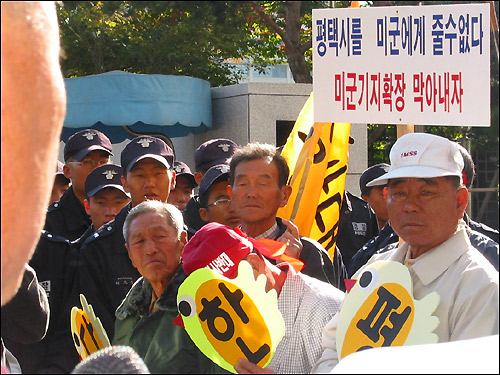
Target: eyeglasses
x: 89, y: 163
x: 221, y: 202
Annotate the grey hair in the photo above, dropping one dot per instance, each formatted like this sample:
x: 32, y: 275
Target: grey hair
x: 171, y: 213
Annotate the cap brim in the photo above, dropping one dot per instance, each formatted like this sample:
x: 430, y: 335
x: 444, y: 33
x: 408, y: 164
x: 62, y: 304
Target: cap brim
x: 222, y: 177
x: 100, y: 187
x: 82, y: 153
x: 189, y: 176
x: 213, y: 163
x: 159, y: 158
x: 415, y: 171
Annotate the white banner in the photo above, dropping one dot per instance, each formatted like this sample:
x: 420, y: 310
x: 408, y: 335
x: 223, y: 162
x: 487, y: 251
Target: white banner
x: 426, y: 65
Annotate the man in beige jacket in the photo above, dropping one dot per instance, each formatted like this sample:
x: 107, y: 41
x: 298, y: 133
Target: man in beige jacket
x: 426, y: 201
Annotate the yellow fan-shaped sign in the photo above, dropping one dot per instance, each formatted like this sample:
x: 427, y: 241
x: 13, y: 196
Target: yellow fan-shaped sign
x: 231, y: 319
x: 87, y: 331
x: 380, y: 311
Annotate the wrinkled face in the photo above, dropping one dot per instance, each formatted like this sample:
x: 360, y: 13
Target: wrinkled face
x: 181, y: 194
x: 220, y: 207
x: 424, y: 211
x: 149, y: 179
x: 153, y: 247
x: 256, y: 194
x: 105, y: 204
x: 377, y: 201
x: 78, y: 171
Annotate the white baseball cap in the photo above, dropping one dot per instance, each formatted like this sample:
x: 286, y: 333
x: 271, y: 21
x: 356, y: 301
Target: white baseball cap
x: 422, y: 155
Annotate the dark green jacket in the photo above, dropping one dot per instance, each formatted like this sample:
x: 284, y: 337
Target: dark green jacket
x: 165, y: 348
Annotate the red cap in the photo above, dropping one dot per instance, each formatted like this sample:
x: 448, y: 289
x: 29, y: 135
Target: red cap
x: 221, y: 248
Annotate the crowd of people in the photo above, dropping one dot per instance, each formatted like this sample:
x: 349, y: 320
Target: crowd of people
x: 126, y: 236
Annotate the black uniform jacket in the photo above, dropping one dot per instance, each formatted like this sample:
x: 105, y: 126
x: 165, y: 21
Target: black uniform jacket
x: 191, y: 216
x: 357, y: 225
x: 55, y: 261
x: 317, y: 262
x: 67, y: 217
x: 106, y: 273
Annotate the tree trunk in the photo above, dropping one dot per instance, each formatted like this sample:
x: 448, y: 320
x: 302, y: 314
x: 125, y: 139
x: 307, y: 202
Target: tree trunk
x: 294, y: 52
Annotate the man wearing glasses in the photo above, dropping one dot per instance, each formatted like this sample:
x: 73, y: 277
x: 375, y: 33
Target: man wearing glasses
x: 214, y: 199
x: 83, y: 152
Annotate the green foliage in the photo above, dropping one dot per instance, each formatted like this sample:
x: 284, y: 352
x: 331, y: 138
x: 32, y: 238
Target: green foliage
x: 270, y: 48
x: 181, y: 38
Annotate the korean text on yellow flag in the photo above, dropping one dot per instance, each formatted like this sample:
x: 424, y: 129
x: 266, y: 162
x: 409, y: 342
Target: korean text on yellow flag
x: 318, y: 179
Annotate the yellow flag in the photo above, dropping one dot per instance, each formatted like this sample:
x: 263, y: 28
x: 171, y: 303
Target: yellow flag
x: 319, y: 167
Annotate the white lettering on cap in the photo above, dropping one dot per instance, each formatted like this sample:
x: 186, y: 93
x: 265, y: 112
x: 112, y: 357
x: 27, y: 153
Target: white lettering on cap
x: 409, y: 153
x: 221, y: 264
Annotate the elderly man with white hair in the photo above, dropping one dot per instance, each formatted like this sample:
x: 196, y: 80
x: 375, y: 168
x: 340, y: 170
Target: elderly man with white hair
x: 426, y: 200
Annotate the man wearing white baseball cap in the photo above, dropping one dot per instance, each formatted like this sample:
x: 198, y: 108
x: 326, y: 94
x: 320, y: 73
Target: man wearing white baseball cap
x: 426, y: 200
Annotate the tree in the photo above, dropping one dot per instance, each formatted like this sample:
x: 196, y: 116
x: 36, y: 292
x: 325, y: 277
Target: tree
x: 185, y: 38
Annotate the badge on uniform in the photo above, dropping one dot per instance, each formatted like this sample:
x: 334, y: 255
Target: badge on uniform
x: 380, y: 310
x: 231, y: 319
x: 87, y: 331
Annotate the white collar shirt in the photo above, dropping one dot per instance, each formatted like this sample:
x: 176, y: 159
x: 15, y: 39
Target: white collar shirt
x: 464, y: 279
x: 306, y: 305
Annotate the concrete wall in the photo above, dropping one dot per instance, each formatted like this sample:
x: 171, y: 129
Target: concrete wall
x: 248, y: 112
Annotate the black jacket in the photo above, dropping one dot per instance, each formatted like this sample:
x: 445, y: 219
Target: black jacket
x: 106, y: 273
x: 481, y: 228
x: 55, y: 261
x: 317, y: 262
x: 67, y: 217
x: 357, y: 225
x: 385, y: 237
x: 388, y: 239
x: 191, y: 216
x: 80, y: 241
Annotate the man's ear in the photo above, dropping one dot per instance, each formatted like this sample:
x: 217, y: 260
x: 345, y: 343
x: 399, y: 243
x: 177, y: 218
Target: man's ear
x: 204, y: 214
x: 198, y: 176
x: 230, y: 191
x: 172, y: 180
x: 125, y: 185
x: 67, y: 171
x: 286, y: 190
x: 87, y: 206
x: 462, y: 201
x: 184, y: 237
x: 386, y: 193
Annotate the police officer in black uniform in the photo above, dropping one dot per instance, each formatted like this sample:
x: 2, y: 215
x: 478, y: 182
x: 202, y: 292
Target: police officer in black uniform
x: 105, y: 198
x: 107, y: 272
x: 208, y: 154
x: 55, y: 261
x: 83, y: 152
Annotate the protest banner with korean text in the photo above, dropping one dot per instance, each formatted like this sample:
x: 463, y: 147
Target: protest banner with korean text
x: 427, y: 65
